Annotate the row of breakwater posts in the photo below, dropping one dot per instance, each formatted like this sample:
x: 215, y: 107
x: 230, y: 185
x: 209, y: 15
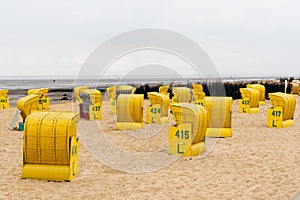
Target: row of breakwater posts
x: 50, y: 143
x: 230, y: 89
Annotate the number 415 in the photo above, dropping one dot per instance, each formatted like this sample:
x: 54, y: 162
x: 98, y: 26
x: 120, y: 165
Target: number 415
x: 183, y: 134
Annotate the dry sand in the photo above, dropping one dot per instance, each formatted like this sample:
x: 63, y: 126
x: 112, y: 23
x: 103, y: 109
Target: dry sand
x: 257, y: 162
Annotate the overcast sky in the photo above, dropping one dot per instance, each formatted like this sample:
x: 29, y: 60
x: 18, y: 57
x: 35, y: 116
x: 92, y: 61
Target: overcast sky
x: 255, y: 37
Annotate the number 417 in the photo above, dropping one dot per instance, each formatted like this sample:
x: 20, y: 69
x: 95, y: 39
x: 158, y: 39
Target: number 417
x: 276, y: 113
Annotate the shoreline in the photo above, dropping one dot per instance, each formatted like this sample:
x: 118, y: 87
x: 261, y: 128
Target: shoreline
x: 55, y: 97
x: 210, y: 88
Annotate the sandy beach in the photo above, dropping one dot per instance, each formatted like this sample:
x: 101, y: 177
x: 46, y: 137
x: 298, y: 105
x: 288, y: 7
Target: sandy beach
x: 90, y: 56
x: 257, y: 162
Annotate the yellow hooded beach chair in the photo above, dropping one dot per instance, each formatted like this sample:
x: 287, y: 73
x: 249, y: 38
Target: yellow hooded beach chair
x: 113, y: 93
x: 50, y: 146
x: 262, y: 92
x: 295, y: 87
x: 44, y: 101
x: 157, y: 112
x: 250, y: 100
x: 281, y: 114
x: 164, y: 90
x: 198, y: 94
x: 219, y: 116
x: 130, y: 111
x: 4, y: 101
x: 186, y: 137
x: 181, y: 94
x: 28, y: 105
x: 91, y: 104
x: 77, y: 91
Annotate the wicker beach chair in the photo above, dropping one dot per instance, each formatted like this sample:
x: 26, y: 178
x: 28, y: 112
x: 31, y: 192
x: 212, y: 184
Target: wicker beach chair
x: 130, y: 111
x: 186, y: 137
x: 219, y: 116
x: 157, y: 112
x: 250, y: 100
x: 281, y: 114
x: 50, y: 146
